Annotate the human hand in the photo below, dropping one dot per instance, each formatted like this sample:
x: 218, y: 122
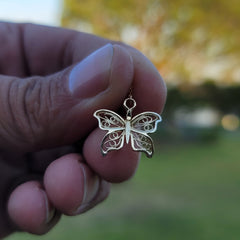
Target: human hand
x: 49, y: 89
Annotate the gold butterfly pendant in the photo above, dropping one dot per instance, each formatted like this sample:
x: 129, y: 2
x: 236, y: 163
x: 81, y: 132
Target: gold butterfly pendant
x: 132, y: 129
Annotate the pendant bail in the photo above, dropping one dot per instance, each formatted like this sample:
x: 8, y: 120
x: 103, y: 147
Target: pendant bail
x: 129, y: 104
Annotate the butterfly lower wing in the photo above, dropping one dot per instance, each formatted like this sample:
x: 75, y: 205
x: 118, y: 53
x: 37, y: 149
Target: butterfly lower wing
x: 113, y: 140
x: 142, y: 142
x: 146, y: 122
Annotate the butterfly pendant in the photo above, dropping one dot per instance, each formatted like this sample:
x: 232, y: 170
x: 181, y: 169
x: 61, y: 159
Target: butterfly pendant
x: 133, y: 129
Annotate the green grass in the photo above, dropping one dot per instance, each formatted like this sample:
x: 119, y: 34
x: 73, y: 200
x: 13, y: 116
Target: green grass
x: 186, y: 192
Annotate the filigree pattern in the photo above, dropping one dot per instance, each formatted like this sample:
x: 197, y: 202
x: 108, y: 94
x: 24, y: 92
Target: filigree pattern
x: 134, y: 129
x: 142, y: 142
x: 146, y: 122
x: 109, y: 120
x: 112, y: 141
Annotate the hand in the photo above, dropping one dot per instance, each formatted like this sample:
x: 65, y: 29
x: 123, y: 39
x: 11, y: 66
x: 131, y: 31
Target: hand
x: 51, y: 82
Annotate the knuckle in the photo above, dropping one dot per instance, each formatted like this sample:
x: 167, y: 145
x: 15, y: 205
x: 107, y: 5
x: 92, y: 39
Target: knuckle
x: 30, y: 111
x: 27, y: 103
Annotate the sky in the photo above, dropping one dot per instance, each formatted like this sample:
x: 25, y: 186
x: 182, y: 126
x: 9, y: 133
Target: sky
x: 46, y: 12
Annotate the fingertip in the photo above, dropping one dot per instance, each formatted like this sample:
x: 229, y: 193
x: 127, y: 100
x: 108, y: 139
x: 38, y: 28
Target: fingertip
x: 60, y: 179
x: 122, y: 65
x: 30, y: 209
x: 115, y: 167
x: 149, y: 88
x: 70, y: 184
x: 120, y: 79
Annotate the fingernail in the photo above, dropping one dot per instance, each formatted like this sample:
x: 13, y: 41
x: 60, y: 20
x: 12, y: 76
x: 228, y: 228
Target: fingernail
x: 91, y: 76
x: 91, y: 188
x: 50, y: 210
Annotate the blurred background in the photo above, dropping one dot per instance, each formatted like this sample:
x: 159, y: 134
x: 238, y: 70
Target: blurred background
x: 191, y: 187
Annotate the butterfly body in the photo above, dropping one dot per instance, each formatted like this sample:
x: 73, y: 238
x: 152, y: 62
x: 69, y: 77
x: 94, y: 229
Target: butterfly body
x: 132, y: 130
x: 127, y: 130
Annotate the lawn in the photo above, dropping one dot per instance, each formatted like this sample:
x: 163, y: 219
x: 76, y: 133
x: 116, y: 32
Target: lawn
x: 186, y: 192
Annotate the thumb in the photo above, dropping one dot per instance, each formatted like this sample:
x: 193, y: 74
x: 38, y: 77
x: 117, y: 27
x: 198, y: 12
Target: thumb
x: 43, y: 112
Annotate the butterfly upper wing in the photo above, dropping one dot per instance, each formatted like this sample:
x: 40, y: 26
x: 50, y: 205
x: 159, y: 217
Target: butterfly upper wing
x: 109, y: 120
x: 142, y: 142
x: 115, y: 125
x: 146, y: 122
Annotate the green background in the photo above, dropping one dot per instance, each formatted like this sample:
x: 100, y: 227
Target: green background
x: 186, y: 191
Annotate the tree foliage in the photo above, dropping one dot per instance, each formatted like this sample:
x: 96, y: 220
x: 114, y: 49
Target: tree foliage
x: 224, y: 99
x: 188, y: 40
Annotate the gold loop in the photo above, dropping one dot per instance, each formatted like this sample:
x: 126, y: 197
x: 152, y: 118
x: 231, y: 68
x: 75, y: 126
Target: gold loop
x: 130, y: 101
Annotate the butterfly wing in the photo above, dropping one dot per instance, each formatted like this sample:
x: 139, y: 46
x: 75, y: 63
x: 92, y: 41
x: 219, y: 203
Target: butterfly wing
x: 113, y: 140
x: 115, y: 125
x: 146, y: 122
x: 109, y: 120
x: 142, y: 143
x: 141, y: 125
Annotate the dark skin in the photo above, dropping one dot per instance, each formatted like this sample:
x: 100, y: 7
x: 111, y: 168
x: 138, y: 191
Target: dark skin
x: 44, y: 173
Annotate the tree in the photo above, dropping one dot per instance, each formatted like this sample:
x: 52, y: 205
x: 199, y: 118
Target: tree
x: 188, y: 40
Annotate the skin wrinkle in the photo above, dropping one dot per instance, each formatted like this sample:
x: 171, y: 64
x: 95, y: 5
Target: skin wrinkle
x: 53, y: 101
x: 67, y: 49
x: 47, y: 110
x: 3, y: 43
x: 43, y: 104
x: 10, y: 51
x: 55, y: 59
x: 33, y: 103
x: 6, y: 112
x: 40, y: 93
x: 8, y: 102
x: 27, y: 113
x: 111, y: 68
x: 22, y: 47
x: 28, y: 125
x: 54, y: 91
x: 16, y: 109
